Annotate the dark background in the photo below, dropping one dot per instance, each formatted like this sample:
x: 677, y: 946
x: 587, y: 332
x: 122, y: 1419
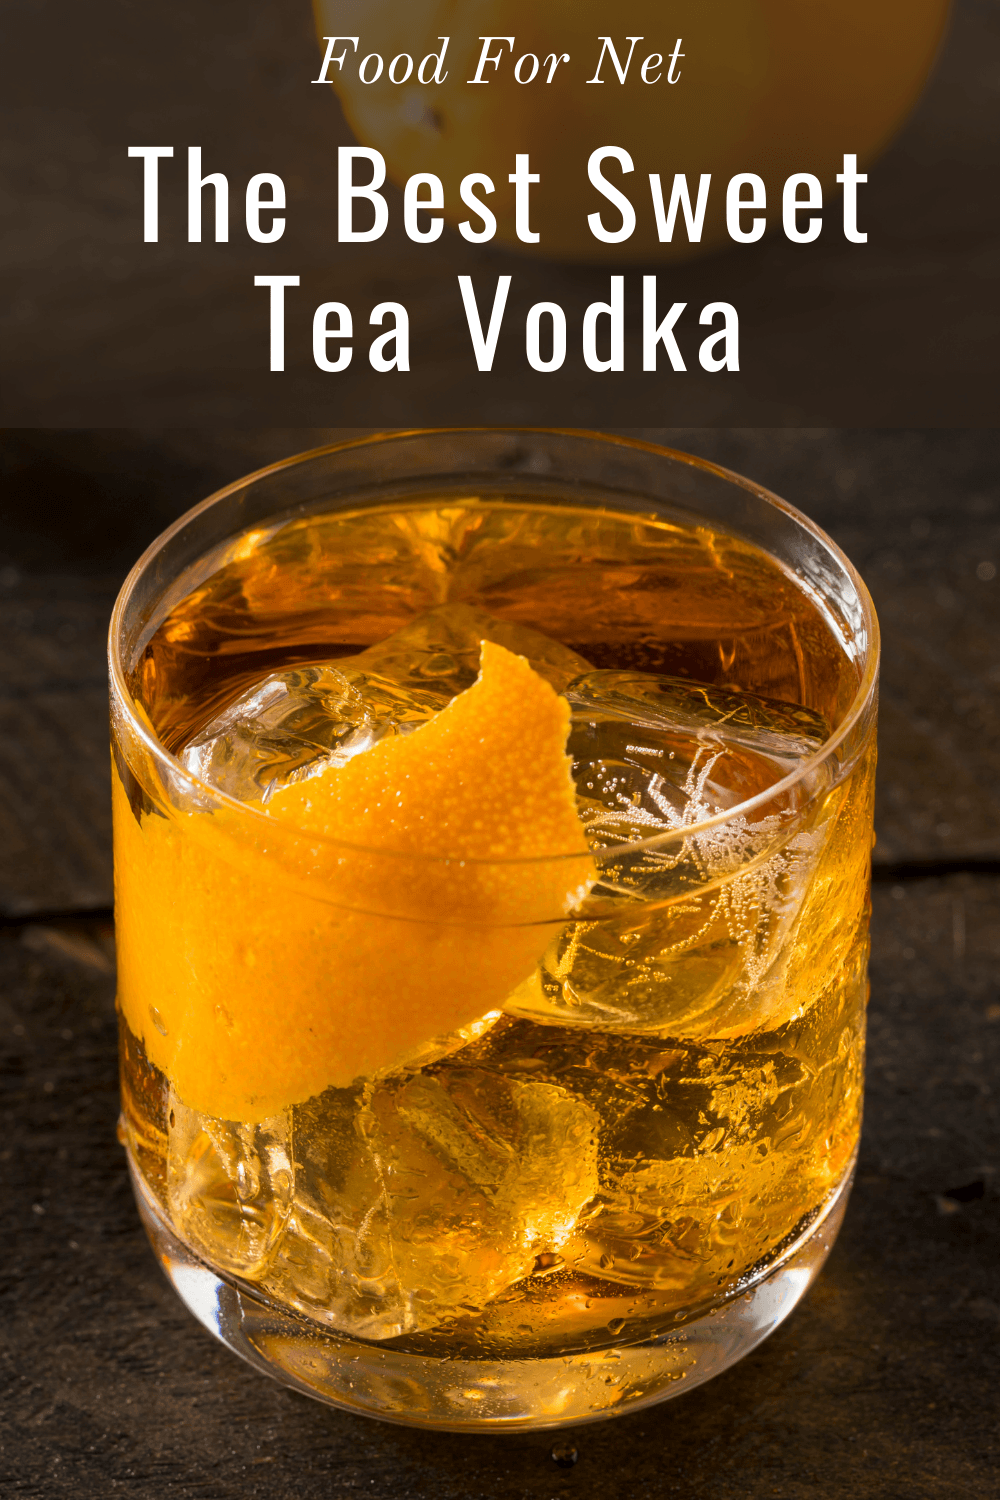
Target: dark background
x: 883, y: 1384
x: 101, y: 329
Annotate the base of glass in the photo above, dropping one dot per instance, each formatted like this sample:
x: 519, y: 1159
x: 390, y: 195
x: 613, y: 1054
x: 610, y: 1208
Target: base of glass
x: 462, y: 1395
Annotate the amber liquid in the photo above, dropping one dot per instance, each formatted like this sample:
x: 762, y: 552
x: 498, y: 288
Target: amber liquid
x: 560, y: 1178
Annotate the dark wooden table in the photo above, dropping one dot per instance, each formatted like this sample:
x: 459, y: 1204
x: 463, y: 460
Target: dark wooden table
x: 883, y: 1384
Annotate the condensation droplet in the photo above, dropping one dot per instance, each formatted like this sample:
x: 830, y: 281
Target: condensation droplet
x: 564, y: 1454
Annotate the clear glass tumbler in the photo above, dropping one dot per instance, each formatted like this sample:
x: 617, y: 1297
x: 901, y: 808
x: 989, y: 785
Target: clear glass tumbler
x: 493, y: 818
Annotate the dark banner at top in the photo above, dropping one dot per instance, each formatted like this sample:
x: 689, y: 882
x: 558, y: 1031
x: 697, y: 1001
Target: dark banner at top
x: 744, y: 213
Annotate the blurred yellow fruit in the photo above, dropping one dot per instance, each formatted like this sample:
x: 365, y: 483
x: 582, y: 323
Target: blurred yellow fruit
x: 774, y: 87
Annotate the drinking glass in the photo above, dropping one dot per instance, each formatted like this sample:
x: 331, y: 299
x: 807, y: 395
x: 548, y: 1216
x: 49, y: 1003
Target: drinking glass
x: 515, y: 1139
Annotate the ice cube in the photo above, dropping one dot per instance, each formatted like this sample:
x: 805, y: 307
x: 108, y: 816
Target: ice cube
x: 433, y: 1197
x: 440, y: 650
x: 707, y: 1153
x: 652, y: 754
x: 294, y: 723
x: 229, y: 1186
x: 689, y: 931
x: 482, y: 1174
x: 767, y: 1128
x: 334, y: 1262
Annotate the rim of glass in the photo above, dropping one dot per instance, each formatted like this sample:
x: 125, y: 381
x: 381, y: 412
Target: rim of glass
x: 158, y: 750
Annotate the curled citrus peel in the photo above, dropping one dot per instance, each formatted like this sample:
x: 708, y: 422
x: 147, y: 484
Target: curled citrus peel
x: 261, y: 964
